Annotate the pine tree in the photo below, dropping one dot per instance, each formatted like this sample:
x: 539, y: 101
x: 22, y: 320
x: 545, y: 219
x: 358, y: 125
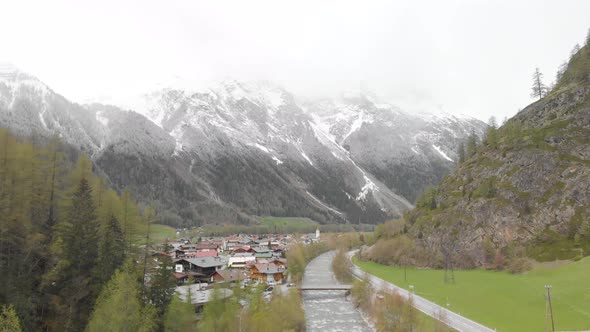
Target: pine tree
x: 162, y: 286
x: 75, y: 276
x: 82, y: 233
x: 539, y: 88
x: 111, y: 249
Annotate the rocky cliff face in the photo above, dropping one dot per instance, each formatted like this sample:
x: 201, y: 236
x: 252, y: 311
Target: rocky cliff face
x: 239, y: 150
x: 529, y: 186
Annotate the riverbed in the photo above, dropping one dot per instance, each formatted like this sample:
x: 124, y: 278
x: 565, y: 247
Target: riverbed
x: 328, y: 310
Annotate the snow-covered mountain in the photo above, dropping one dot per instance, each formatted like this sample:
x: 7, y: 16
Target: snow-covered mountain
x: 240, y: 149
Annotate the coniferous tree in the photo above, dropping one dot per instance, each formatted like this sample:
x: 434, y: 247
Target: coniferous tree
x: 163, y: 285
x: 574, y: 51
x: 492, y: 133
x: 471, y: 145
x: 111, y: 249
x: 75, y: 276
x: 461, y: 152
x: 539, y: 88
x: 560, y: 71
x: 9, y: 320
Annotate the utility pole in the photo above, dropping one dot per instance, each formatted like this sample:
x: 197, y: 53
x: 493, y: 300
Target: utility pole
x: 549, y: 309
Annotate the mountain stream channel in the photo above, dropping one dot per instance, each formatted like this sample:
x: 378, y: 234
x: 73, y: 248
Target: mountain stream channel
x: 329, y: 310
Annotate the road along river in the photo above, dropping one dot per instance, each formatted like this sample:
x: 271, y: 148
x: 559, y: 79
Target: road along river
x: 328, y: 310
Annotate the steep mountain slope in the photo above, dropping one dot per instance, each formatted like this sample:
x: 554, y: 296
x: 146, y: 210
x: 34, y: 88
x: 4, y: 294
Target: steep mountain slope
x: 243, y: 149
x: 405, y: 151
x: 527, y: 189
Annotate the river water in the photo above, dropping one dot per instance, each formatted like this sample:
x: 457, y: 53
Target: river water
x: 328, y: 310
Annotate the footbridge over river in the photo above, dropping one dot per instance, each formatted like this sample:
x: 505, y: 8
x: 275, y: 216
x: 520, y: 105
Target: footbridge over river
x: 326, y: 302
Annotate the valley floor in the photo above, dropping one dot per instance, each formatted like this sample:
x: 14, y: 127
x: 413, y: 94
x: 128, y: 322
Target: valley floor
x: 502, y: 300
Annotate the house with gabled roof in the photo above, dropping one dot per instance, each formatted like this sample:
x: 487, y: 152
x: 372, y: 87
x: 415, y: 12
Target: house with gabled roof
x: 199, y: 268
x: 267, y: 272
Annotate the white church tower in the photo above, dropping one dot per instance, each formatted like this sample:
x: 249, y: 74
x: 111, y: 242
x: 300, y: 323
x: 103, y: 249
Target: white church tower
x: 317, y: 233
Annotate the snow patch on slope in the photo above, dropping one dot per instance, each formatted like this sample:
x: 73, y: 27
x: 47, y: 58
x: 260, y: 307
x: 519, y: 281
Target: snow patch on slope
x: 444, y: 155
x: 369, y: 186
x: 323, y: 204
x: 306, y: 158
x: 356, y: 125
x: 177, y: 135
x: 277, y: 160
x: 262, y: 148
x: 42, y: 119
x: 102, y: 119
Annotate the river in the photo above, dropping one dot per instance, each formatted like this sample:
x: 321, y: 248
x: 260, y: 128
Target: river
x: 328, y: 310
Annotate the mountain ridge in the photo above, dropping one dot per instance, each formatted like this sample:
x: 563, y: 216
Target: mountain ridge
x: 190, y: 150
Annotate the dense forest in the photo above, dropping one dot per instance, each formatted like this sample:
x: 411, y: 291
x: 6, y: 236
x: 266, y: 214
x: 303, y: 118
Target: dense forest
x: 73, y: 253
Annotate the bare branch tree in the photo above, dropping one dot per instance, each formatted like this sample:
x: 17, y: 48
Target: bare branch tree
x: 539, y: 88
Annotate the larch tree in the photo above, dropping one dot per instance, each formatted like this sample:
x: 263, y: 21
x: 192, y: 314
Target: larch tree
x: 118, y: 308
x: 492, y: 132
x: 180, y: 315
x: 9, y: 320
x: 539, y: 88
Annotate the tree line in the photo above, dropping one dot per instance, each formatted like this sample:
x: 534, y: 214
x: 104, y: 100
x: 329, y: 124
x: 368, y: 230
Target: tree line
x: 283, y: 312
x: 71, y: 247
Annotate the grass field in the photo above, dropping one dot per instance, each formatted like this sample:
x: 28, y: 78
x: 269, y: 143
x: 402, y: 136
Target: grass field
x: 159, y: 233
x: 501, y: 300
x: 284, y: 221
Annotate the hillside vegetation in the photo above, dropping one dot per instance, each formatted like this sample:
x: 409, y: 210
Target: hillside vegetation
x: 525, y: 190
x: 522, y: 192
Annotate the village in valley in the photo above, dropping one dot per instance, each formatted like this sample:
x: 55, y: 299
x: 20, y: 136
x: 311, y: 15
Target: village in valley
x: 203, y: 264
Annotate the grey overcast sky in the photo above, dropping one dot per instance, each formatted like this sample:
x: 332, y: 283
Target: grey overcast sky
x: 471, y: 57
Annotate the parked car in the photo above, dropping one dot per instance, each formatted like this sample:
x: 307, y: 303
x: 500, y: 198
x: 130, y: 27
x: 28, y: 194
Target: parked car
x: 269, y: 289
x: 290, y: 284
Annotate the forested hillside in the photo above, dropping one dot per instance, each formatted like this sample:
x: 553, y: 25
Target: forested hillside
x: 63, y: 233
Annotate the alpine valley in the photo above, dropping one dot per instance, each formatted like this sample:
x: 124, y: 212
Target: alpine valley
x: 240, y: 150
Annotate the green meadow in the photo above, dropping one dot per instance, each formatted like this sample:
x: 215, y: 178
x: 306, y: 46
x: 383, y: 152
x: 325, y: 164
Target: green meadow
x: 159, y: 233
x: 502, y: 300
